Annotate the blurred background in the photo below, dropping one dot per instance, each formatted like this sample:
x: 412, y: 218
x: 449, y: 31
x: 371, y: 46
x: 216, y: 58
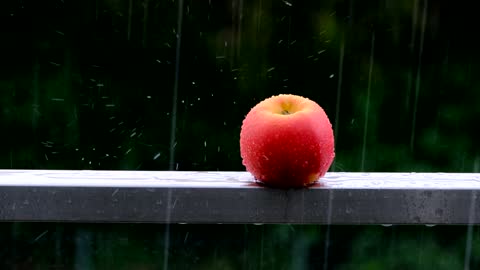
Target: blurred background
x: 165, y: 85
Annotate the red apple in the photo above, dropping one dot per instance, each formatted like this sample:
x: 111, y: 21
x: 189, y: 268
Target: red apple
x: 286, y: 141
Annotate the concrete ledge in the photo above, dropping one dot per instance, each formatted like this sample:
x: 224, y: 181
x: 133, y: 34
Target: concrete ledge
x: 233, y: 197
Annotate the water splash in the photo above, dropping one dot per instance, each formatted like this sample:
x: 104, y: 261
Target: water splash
x: 339, y: 94
x: 367, y: 104
x: 173, y: 124
x: 418, y: 77
x: 173, y: 127
x: 471, y: 220
x: 412, y: 46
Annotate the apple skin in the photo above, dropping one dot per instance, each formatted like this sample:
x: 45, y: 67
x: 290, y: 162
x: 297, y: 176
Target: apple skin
x: 286, y: 141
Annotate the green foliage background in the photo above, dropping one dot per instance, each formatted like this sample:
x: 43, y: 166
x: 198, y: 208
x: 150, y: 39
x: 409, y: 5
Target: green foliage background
x: 90, y: 85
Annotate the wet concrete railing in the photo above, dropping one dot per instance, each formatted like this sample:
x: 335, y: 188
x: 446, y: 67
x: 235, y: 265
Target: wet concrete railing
x: 233, y: 197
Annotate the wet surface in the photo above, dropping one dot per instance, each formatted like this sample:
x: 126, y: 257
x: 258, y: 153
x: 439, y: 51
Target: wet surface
x: 233, y: 179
